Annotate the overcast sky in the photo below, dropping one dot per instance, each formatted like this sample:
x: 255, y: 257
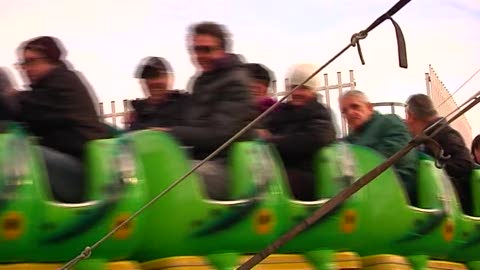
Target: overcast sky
x: 106, y: 39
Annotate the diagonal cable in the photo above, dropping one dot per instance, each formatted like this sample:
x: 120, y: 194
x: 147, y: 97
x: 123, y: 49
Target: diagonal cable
x: 458, y: 89
x: 352, y: 189
x: 353, y: 42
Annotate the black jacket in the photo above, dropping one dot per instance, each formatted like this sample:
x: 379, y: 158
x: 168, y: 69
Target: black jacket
x: 460, y: 164
x: 5, y: 110
x: 299, y: 132
x: 165, y: 114
x: 60, y: 111
x: 220, y: 105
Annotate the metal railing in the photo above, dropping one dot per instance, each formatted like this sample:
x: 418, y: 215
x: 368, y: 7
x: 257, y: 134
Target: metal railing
x: 116, y: 115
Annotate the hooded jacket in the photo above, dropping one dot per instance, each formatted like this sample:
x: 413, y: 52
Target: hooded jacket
x: 300, y: 131
x: 167, y: 113
x: 220, y: 105
x: 460, y: 163
x: 60, y: 111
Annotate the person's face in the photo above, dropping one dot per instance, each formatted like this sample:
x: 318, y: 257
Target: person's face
x: 35, y: 65
x: 157, y: 86
x: 356, y: 111
x: 302, y: 96
x: 205, y: 50
x: 412, y: 123
x: 258, y: 89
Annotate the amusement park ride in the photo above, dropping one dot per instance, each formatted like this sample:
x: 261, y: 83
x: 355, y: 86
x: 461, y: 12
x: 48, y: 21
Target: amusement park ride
x: 147, y: 174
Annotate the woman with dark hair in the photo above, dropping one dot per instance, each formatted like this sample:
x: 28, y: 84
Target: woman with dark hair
x: 476, y: 149
x: 59, y: 110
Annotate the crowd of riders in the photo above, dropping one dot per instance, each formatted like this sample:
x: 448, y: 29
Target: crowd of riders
x: 226, y: 94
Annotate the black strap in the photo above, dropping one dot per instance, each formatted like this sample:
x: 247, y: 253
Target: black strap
x: 387, y: 14
x: 402, y: 48
x: 355, y: 42
x: 434, y: 146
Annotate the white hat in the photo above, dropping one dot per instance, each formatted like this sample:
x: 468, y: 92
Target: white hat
x: 299, y: 72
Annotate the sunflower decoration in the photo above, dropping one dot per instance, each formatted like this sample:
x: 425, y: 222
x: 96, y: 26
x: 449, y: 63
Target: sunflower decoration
x: 263, y: 221
x: 125, y: 231
x: 348, y: 221
x: 12, y: 225
x: 448, y: 230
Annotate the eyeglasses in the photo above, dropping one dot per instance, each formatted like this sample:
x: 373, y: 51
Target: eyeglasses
x: 36, y: 47
x: 29, y: 61
x: 205, y: 49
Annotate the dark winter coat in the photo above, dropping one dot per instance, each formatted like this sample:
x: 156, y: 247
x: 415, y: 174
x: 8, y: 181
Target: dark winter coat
x: 164, y: 114
x: 220, y: 105
x: 60, y: 111
x: 299, y: 132
x: 460, y: 164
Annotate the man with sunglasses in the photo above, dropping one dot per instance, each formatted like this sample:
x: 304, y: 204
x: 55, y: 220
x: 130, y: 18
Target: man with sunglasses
x: 162, y: 106
x: 59, y: 110
x: 220, y: 103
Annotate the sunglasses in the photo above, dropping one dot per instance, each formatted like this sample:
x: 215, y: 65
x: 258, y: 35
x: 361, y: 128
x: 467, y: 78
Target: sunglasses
x: 36, y: 47
x: 30, y: 61
x: 205, y: 49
